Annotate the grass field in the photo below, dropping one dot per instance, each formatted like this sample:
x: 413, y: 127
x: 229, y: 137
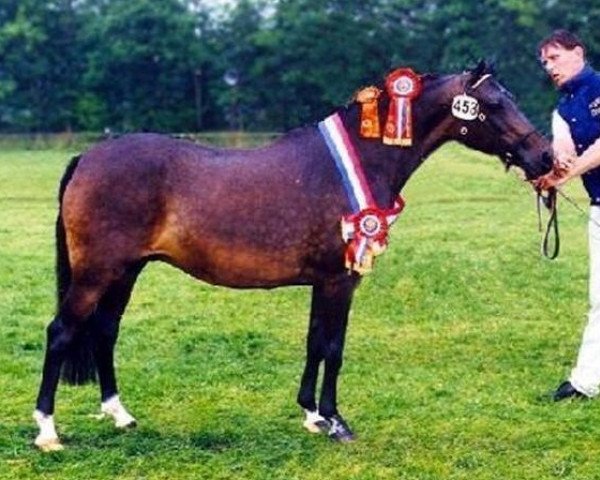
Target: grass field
x: 455, y: 342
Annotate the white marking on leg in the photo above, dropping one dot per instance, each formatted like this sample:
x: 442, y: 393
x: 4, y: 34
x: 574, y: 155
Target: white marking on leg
x: 314, y: 422
x: 47, y: 440
x: 336, y: 427
x: 339, y: 430
x: 116, y: 410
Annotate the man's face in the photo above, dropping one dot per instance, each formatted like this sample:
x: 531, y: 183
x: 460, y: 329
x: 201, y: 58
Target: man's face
x: 562, y: 64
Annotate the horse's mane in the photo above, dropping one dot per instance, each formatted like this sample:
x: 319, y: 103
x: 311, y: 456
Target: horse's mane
x: 430, y: 81
x: 483, y: 67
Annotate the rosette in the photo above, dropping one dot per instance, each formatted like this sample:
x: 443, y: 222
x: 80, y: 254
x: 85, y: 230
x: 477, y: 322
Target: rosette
x: 402, y: 86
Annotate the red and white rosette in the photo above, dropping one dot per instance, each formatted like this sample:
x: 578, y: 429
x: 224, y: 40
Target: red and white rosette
x: 366, y: 234
x: 402, y: 86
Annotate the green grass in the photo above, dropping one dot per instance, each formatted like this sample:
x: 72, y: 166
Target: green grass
x: 454, y: 343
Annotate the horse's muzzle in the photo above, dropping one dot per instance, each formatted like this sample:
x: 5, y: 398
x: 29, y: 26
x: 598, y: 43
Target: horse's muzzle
x: 540, y: 167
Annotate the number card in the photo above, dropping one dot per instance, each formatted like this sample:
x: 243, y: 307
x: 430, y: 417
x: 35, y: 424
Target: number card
x: 465, y: 107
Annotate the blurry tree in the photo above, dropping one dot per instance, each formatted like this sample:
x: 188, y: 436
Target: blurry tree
x: 39, y: 67
x: 454, y: 35
x: 141, y: 61
x: 583, y: 18
x: 230, y: 77
x: 315, y: 55
x: 178, y: 65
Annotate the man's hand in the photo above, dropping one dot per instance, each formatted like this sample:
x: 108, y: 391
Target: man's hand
x: 549, y: 181
x: 558, y: 175
x: 562, y: 164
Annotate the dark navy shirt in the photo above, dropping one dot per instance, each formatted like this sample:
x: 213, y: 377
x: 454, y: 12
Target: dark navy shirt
x: 579, y: 107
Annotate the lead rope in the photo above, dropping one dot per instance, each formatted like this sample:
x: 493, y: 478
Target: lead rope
x: 551, y: 203
x: 577, y: 207
x: 540, y: 199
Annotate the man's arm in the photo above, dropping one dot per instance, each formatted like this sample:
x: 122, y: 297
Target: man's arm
x: 568, y: 163
x: 586, y: 161
x: 562, y: 142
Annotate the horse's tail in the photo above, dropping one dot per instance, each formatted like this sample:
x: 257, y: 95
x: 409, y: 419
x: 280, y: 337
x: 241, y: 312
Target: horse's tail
x: 79, y: 366
x: 63, y: 267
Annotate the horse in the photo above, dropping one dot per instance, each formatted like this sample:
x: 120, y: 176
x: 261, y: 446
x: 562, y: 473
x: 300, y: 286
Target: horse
x: 245, y: 218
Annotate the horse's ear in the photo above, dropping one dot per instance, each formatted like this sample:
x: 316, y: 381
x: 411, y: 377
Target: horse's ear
x: 482, y: 68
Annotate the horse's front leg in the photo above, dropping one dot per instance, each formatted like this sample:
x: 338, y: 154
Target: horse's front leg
x: 328, y: 321
x: 315, y: 352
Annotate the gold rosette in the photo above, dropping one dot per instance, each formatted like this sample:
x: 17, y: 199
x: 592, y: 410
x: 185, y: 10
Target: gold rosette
x: 369, y: 114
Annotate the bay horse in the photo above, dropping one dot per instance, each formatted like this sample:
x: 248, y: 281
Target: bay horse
x: 243, y: 218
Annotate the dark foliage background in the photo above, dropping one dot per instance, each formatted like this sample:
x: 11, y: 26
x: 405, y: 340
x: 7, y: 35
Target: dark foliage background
x: 122, y: 65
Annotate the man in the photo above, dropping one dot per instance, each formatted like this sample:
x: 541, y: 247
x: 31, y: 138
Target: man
x: 576, y: 143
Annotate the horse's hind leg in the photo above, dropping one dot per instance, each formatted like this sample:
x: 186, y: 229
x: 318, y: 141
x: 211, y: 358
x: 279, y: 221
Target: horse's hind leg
x: 62, y: 336
x: 105, y: 324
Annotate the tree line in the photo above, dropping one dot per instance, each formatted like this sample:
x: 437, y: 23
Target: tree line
x: 193, y: 65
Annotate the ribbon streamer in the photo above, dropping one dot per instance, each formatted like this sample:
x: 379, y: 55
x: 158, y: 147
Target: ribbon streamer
x: 402, y: 86
x: 369, y: 113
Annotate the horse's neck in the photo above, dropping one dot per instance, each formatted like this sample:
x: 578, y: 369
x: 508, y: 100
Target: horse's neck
x: 389, y: 168
x: 430, y: 116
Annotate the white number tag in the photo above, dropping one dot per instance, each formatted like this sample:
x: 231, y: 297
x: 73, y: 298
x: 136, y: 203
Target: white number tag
x: 465, y: 107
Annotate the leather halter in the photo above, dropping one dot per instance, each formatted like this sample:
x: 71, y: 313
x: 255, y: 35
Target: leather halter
x: 509, y: 155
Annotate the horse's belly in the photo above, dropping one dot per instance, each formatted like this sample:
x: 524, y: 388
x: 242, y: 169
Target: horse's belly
x: 241, y: 247
x: 232, y: 264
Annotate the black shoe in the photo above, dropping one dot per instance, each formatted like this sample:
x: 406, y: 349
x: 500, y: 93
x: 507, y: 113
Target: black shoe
x: 566, y: 390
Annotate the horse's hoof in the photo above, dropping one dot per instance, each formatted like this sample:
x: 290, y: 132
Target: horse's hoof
x: 320, y: 426
x: 115, y: 409
x: 125, y: 422
x: 315, y: 423
x: 340, y: 431
x: 129, y: 425
x: 49, y: 445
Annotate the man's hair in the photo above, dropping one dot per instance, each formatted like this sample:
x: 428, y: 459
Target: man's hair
x: 561, y: 38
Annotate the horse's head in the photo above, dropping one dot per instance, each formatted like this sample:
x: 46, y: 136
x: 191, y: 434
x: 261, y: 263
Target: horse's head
x: 483, y: 115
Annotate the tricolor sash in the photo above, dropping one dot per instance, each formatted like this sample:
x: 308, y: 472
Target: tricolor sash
x: 365, y: 230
